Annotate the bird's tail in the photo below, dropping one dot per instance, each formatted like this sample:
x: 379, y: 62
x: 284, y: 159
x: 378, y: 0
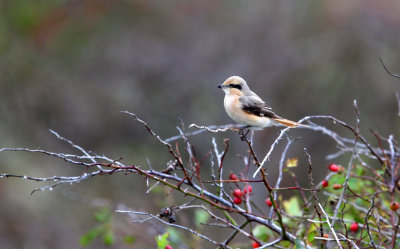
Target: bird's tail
x: 289, y: 123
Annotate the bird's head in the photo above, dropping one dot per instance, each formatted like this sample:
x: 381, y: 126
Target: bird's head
x: 234, y: 85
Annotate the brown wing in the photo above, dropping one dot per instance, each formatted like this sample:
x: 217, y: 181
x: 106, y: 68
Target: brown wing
x: 254, y: 105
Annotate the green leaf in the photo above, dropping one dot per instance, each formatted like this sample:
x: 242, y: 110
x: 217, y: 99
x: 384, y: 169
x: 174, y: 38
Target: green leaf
x: 108, y: 238
x: 311, y: 236
x: 162, y: 241
x: 174, y: 235
x: 311, y: 233
x: 338, y: 178
x: 103, y: 215
x: 201, y: 217
x: 129, y: 239
x: 356, y: 184
x: 292, y: 207
x: 88, y: 237
x: 285, y: 244
x: 360, y: 171
x: 262, y: 233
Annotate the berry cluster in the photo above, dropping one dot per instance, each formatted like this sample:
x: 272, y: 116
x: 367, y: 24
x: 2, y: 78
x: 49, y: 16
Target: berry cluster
x: 239, y: 194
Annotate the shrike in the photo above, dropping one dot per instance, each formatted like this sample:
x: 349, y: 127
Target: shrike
x: 246, y: 108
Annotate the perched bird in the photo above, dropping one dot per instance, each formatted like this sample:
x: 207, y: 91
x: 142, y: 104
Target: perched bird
x: 246, y: 108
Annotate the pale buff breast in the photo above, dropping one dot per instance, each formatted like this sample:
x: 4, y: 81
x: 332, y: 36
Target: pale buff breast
x: 233, y: 108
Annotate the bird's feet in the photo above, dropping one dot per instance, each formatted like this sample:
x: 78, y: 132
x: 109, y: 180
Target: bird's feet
x: 242, y: 132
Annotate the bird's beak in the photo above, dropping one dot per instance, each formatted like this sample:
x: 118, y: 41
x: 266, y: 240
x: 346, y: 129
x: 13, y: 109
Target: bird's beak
x: 219, y: 86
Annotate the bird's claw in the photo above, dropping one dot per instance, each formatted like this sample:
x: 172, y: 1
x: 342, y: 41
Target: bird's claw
x: 243, y: 134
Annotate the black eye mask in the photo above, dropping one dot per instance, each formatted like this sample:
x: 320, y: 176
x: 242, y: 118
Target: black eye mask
x: 235, y: 86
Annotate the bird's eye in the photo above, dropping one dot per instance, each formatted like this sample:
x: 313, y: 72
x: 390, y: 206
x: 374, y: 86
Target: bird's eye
x: 235, y: 86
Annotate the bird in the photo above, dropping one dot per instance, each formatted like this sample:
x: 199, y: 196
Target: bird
x: 247, y: 108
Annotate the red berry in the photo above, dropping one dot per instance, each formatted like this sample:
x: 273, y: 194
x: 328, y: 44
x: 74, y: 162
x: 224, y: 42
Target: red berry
x: 168, y: 247
x: 237, y: 193
x: 354, y: 227
x: 237, y: 200
x: 268, y: 202
x: 233, y: 176
x: 255, y: 244
x: 333, y: 167
x: 337, y: 186
x: 248, y: 189
x: 325, y: 183
x: 394, y: 206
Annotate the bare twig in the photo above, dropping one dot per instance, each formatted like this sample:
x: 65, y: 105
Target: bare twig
x: 315, y: 197
x: 396, y: 76
x: 367, y: 222
x: 270, y: 244
x: 398, y: 103
x: 384, y: 66
x: 200, y: 131
x: 232, y: 236
x: 349, y: 166
x: 280, y: 175
x: 330, y: 225
x: 325, y: 131
x: 173, y: 225
x: 74, y: 146
x: 215, y: 130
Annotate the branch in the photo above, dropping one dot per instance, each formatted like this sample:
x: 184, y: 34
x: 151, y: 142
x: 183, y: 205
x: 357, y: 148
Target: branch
x: 173, y: 225
x: 330, y: 226
x: 334, y: 120
x: 349, y: 166
x: 366, y: 220
x: 384, y: 66
x: 214, y: 130
x: 280, y: 175
x: 197, y: 132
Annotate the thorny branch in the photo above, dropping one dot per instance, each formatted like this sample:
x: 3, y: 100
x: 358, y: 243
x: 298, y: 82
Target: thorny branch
x: 184, y: 176
x: 173, y: 225
x: 353, y: 156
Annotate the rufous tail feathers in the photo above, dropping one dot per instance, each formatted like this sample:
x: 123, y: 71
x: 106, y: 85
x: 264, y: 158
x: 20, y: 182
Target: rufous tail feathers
x: 288, y: 122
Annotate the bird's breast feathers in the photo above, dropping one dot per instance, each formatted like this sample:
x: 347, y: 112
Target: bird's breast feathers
x: 234, y: 108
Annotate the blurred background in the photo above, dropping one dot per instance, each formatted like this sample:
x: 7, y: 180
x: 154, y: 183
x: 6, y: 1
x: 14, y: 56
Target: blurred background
x: 72, y: 66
